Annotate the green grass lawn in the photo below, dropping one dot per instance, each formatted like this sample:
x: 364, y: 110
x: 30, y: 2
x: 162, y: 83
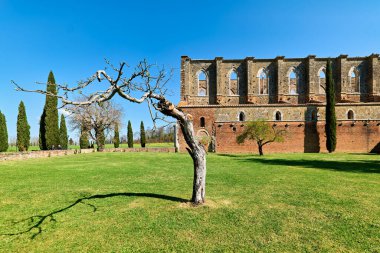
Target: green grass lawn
x: 124, y: 145
x: 112, y: 202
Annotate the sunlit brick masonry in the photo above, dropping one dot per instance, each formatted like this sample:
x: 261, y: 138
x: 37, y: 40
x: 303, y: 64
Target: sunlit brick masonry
x: 222, y: 95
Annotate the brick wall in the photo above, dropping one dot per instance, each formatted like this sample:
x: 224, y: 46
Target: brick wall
x: 302, y: 113
x: 309, y: 137
x: 303, y: 135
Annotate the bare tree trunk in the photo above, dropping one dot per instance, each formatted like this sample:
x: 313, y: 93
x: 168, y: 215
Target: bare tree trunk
x: 195, y: 148
x: 198, y: 154
x: 199, y: 183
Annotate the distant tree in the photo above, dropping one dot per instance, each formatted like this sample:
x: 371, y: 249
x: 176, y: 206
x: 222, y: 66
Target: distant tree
x: 116, y: 137
x: 130, y: 135
x: 63, y: 138
x: 330, y: 127
x: 123, y: 139
x: 33, y: 141
x: 142, y: 135
x: 23, y: 129
x: 3, y: 133
x: 261, y: 132
x: 160, y: 134
x: 71, y: 142
x: 83, y: 139
x: 49, y: 127
x: 98, y: 118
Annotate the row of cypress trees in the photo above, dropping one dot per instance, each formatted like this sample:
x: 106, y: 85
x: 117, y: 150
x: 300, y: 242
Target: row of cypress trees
x: 116, y: 139
x: 23, y: 130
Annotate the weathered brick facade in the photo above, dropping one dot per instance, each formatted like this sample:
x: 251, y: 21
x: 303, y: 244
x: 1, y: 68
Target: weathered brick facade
x: 222, y: 95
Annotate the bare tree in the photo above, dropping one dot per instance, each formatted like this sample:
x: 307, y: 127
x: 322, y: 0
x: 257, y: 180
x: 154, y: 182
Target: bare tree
x: 146, y: 83
x: 98, y: 118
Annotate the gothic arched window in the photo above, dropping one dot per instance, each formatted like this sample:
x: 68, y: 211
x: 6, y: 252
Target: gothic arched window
x: 202, y: 83
x: 233, y: 88
x: 293, y: 82
x: 263, y: 81
x: 353, y: 76
x: 322, y: 81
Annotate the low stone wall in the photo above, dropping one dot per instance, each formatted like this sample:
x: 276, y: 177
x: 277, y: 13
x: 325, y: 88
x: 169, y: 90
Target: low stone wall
x: 52, y: 153
x: 160, y: 150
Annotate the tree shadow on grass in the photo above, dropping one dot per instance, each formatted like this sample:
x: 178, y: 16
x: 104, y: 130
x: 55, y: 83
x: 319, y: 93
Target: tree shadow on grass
x: 372, y: 166
x: 34, y: 223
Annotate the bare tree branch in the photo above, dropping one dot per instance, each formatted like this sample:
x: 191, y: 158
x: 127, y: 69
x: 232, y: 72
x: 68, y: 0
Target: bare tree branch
x: 146, y: 82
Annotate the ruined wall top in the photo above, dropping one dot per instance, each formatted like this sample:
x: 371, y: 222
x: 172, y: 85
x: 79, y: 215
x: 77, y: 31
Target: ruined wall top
x: 279, y: 80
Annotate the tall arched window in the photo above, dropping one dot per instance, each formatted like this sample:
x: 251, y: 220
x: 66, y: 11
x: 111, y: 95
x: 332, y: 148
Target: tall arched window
x: 263, y: 79
x: 353, y: 76
x: 293, y: 82
x: 202, y: 83
x: 202, y: 122
x: 278, y: 116
x: 241, y: 116
x: 350, y: 114
x: 322, y: 81
x: 233, y: 88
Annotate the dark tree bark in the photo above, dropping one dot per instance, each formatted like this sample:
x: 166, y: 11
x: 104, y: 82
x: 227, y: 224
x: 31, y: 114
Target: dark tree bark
x: 260, y: 148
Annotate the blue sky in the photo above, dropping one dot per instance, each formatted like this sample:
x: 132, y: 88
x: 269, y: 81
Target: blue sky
x: 72, y: 38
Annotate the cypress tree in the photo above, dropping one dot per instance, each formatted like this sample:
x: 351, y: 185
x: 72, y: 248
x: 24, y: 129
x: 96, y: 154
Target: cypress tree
x: 50, y: 120
x: 330, y: 127
x: 63, y: 140
x: 100, y: 139
x: 3, y: 133
x: 23, y: 129
x: 130, y: 135
x: 116, y: 138
x: 42, y: 133
x: 142, y: 135
x: 83, y: 140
